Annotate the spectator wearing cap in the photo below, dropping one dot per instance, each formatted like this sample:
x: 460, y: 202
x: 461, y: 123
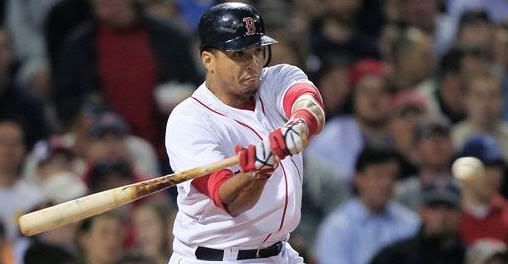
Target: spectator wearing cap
x: 408, y: 107
x: 434, y: 152
x: 485, y: 211
x: 56, y: 170
x: 483, y: 104
x: 487, y: 251
x: 52, y: 164
x: 475, y: 29
x: 438, y: 240
x: 362, y: 225
x: 343, y: 137
x: 109, y: 137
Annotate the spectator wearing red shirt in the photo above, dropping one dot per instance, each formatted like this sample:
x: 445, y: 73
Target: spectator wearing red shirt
x: 122, y: 55
x: 485, y: 211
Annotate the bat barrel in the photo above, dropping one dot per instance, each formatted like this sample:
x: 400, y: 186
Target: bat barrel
x: 87, y: 206
x: 74, y: 210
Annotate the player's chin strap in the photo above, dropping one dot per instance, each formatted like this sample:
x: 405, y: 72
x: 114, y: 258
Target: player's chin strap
x: 268, y: 54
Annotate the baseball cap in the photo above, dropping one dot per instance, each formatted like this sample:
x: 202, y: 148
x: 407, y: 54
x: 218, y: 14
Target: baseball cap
x: 483, y: 147
x: 45, y: 150
x: 443, y: 189
x: 474, y: 16
x: 367, y: 67
x: 108, y: 122
x: 484, y: 249
x: 430, y: 127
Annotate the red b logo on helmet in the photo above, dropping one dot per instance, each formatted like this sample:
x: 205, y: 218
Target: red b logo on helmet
x: 250, y: 26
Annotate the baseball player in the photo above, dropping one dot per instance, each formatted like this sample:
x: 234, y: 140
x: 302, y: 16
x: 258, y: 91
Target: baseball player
x: 243, y: 214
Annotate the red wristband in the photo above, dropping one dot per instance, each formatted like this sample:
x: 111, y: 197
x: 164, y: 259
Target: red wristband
x: 309, y: 119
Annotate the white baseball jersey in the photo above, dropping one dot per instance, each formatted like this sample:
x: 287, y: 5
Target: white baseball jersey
x: 201, y: 130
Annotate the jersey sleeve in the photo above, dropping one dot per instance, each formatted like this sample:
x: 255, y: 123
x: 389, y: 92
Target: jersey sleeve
x: 279, y: 79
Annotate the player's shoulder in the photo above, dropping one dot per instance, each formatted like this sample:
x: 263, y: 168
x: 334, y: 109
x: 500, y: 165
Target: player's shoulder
x: 281, y: 69
x: 188, y: 112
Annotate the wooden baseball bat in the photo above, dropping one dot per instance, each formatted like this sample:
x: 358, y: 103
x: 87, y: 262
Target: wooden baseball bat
x: 94, y: 204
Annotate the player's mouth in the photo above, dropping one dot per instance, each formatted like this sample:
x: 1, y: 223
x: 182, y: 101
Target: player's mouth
x: 251, y: 78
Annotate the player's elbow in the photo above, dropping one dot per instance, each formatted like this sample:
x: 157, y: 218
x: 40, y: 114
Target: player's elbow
x: 236, y: 210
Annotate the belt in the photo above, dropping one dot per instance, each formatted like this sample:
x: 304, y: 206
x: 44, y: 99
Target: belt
x: 204, y: 253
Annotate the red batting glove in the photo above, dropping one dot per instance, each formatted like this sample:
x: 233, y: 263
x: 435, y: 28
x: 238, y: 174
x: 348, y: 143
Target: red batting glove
x: 257, y: 159
x: 290, y: 139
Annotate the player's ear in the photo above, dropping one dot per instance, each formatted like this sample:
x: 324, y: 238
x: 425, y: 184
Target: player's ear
x: 208, y: 60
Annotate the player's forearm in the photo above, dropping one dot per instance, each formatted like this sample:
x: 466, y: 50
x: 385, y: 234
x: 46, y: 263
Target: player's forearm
x: 240, y: 193
x: 309, y: 109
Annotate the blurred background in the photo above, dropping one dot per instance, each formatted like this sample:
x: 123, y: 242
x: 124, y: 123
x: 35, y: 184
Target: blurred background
x: 409, y: 86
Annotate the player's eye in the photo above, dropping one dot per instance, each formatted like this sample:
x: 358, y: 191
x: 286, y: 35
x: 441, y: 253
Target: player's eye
x: 238, y: 54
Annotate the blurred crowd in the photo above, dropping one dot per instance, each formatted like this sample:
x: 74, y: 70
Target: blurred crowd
x: 409, y: 86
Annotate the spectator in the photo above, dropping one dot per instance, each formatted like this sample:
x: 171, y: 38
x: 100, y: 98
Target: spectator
x: 487, y: 251
x: 100, y: 239
x: 413, y: 59
x: 335, y: 36
x: 59, y: 180
x: 24, y: 23
x: 99, y: 58
x: 57, y: 170
x: 17, y: 101
x: 357, y: 229
x: 425, y: 16
x: 434, y: 153
x: 445, y: 96
x: 332, y: 80
x: 484, y: 104
x: 343, y: 137
x: 16, y: 194
x: 486, y: 148
x: 408, y: 108
x: 61, y: 20
x: 152, y: 222
x: 438, y: 240
x: 109, y: 174
x: 109, y: 137
x: 323, y: 191
x: 476, y: 30
x: 485, y: 211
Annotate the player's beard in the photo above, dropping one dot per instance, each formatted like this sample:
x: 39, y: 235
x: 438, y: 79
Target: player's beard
x: 251, y: 87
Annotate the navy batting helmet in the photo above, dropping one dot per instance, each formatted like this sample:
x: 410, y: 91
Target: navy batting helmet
x: 232, y: 27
